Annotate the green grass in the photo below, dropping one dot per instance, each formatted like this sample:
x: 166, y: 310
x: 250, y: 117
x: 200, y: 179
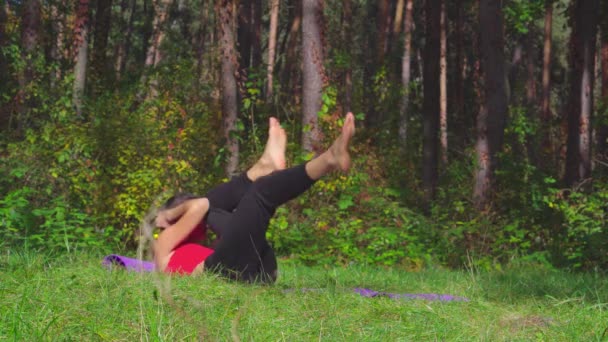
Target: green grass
x: 71, y: 297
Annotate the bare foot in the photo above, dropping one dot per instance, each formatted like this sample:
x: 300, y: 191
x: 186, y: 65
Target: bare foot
x: 273, y: 157
x: 339, y: 149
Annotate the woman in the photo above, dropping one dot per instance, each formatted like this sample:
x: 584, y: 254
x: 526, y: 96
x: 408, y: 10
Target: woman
x: 240, y: 210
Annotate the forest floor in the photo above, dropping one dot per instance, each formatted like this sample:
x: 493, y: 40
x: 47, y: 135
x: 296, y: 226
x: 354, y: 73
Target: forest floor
x: 72, y: 297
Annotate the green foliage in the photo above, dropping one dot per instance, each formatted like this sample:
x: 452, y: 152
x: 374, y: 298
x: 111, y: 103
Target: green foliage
x: 350, y: 219
x: 582, y: 233
x: 519, y: 14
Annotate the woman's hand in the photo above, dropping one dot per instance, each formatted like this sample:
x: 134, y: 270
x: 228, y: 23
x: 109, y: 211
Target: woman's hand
x: 162, y: 221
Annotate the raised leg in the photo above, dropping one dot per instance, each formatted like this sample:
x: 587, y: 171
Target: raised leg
x: 227, y: 196
x: 243, y: 251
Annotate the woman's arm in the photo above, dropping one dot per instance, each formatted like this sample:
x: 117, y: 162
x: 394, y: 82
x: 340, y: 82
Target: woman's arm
x: 190, y: 214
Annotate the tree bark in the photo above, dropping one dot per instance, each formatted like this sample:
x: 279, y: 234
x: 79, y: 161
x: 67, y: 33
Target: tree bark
x: 250, y: 34
x: 226, y: 21
x: 57, y: 26
x: 383, y: 27
x: 30, y: 39
x: 347, y: 17
x: 272, y: 46
x: 460, y: 65
x: 602, y: 134
x: 201, y: 41
x: 546, y: 116
x: 443, y: 86
x: 289, y: 86
x: 123, y: 46
x: 81, y: 43
x: 430, y: 148
x: 4, y: 111
x: 493, y: 111
x: 313, y: 73
x: 154, y: 53
x: 547, y: 55
x: 103, y: 19
x: 398, y: 17
x: 406, y: 63
x: 582, y: 66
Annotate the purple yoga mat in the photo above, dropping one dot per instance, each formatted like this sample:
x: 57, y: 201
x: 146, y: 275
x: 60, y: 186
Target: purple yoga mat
x: 130, y: 264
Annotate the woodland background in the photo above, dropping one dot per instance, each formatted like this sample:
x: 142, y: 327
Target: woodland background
x: 482, y: 134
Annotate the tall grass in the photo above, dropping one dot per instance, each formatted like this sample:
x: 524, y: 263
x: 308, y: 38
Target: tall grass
x: 72, y: 297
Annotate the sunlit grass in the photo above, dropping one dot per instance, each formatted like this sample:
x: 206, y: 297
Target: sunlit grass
x: 72, y: 297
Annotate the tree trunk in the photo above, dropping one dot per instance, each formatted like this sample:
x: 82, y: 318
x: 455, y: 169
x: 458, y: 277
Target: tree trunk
x: 406, y: 63
x: 398, y: 16
x: 430, y: 148
x: 460, y: 67
x: 226, y: 21
x: 245, y: 34
x: 30, y: 36
x: 383, y: 27
x: 547, y: 55
x: 154, y: 55
x: 545, y: 118
x: 603, y: 127
x: 289, y: 86
x: 81, y: 44
x: 493, y: 111
x: 347, y: 82
x: 443, y: 85
x: 313, y: 73
x: 4, y: 111
x: 123, y: 46
x: 103, y: 17
x: 249, y: 34
x: 582, y: 66
x: 272, y: 46
x: 200, y: 43
x: 57, y: 26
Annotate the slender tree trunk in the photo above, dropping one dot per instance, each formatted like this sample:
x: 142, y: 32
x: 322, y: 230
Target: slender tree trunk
x: 256, y: 46
x: 272, y: 46
x: 547, y: 55
x: 406, y: 63
x: 103, y: 18
x: 154, y: 53
x: 30, y: 36
x: 4, y: 111
x: 123, y: 46
x: 430, y: 148
x: 398, y: 17
x: 460, y: 65
x: 288, y: 85
x: 546, y: 116
x: 493, y: 111
x: 204, y: 18
x: 602, y: 135
x: 57, y: 25
x: 245, y: 33
x: 383, y: 28
x: 81, y: 43
x: 583, y: 40
x: 313, y: 73
x: 226, y: 21
x: 443, y: 85
x: 531, y: 94
x: 347, y: 17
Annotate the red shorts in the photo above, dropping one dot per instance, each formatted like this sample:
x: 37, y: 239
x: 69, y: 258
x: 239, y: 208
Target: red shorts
x: 186, y: 257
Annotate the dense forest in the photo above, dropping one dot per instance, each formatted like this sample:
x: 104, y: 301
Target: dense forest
x: 482, y: 124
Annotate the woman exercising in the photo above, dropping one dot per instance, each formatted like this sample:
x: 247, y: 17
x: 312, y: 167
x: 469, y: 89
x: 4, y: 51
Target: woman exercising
x: 240, y: 210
